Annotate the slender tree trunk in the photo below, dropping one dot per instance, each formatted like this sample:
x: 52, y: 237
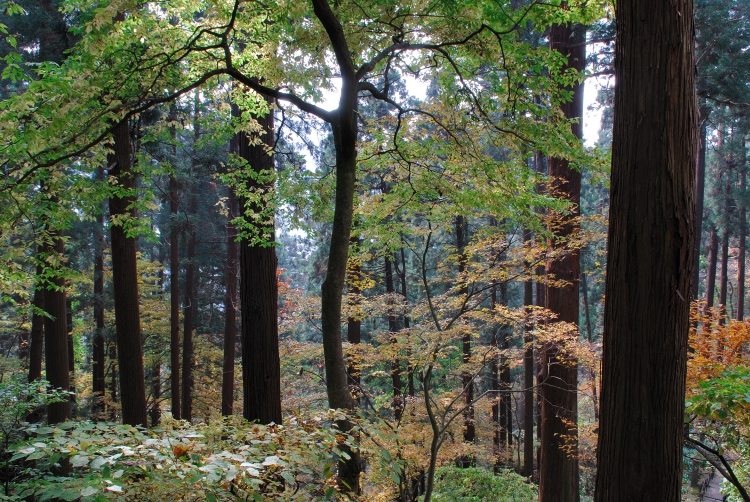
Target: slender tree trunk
x: 398, y: 403
x: 37, y: 329
x: 724, y: 274
x: 230, y: 310
x: 650, y: 254
x: 354, y: 324
x: 99, y: 385
x: 495, y: 387
x: 174, y: 302
x: 700, y: 181
x: 506, y: 412
x: 528, y: 376
x: 466, y: 377
x: 713, y: 253
x: 188, y: 314
x: 71, y: 352
x: 259, y: 288
x: 590, y: 336
x: 740, y: 315
x: 402, y: 277
x: 113, y: 379
x: 56, y: 333
x: 558, y: 470
x: 125, y: 283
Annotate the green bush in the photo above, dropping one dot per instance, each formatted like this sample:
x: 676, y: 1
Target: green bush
x: 480, y: 485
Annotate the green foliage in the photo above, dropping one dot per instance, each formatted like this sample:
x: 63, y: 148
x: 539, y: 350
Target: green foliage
x: 480, y: 485
x: 224, y: 460
x: 729, y: 394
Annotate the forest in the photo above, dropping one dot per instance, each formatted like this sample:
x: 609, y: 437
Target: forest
x: 359, y: 250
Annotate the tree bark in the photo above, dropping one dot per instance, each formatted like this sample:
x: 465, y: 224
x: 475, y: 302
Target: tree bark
x: 174, y: 284
x: 650, y: 253
x: 36, y: 348
x: 700, y: 181
x: 740, y: 315
x: 398, y: 403
x: 466, y: 377
x: 230, y: 309
x: 261, y: 371
x: 713, y: 253
x: 724, y: 275
x: 558, y: 469
x: 56, y: 332
x: 188, y: 313
x: 354, y: 324
x: 99, y: 385
x: 125, y: 283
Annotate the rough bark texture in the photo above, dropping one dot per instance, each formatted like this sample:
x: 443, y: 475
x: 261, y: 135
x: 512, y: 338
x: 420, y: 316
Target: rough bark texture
x: 188, y: 313
x: 558, y: 469
x: 650, y: 253
x: 230, y: 309
x: 125, y: 282
x: 259, y: 290
x: 174, y: 303
x: 56, y: 333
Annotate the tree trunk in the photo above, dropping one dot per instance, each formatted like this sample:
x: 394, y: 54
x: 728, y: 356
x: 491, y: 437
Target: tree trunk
x: 495, y: 387
x: 398, y: 403
x: 724, y: 275
x: 125, y: 283
x: 528, y: 376
x: 188, y: 314
x: 261, y: 371
x: 713, y: 253
x: 230, y: 309
x: 174, y: 302
x: 354, y: 324
x: 56, y: 333
x: 37, y: 328
x: 650, y: 254
x: 402, y: 277
x: 558, y: 470
x: 113, y: 379
x: 466, y: 377
x: 700, y: 181
x: 740, y: 315
x: 99, y: 385
x: 590, y: 336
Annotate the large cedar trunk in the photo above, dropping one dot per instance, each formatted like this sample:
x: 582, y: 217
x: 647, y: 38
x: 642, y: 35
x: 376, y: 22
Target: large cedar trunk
x: 230, y: 309
x: 558, y: 468
x: 125, y: 283
x: 188, y: 314
x: 56, y: 333
x: 261, y: 373
x: 650, y: 254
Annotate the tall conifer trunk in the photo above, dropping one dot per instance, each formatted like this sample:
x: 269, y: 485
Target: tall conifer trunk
x: 713, y: 253
x: 125, y: 283
x: 398, y: 403
x: 466, y: 377
x: 261, y: 371
x: 56, y: 333
x: 174, y: 282
x: 650, y: 254
x: 558, y: 469
x: 740, y: 315
x: 230, y: 309
x: 724, y: 274
x: 700, y: 181
x: 528, y: 375
x: 37, y: 328
x: 188, y: 315
x: 99, y: 385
